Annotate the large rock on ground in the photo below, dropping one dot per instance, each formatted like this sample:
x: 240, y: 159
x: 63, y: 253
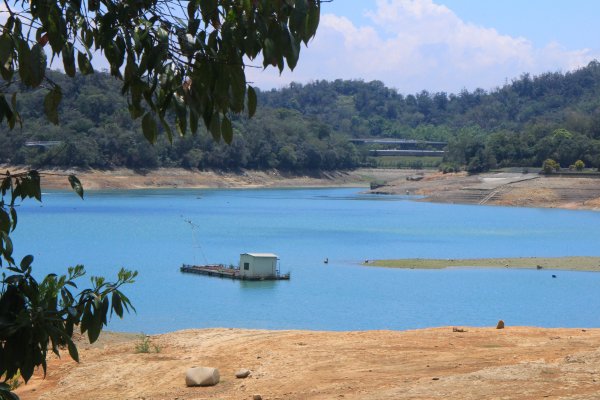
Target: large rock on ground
x: 242, y: 373
x: 202, y: 376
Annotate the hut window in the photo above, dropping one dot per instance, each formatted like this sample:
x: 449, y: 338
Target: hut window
x: 246, y: 266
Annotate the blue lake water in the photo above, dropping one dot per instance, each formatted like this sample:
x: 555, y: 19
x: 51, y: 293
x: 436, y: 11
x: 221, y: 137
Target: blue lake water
x: 146, y: 230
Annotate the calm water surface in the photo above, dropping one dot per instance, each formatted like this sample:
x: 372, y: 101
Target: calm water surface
x: 147, y: 230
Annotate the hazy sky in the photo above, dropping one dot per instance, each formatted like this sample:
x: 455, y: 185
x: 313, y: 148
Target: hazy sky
x: 444, y: 45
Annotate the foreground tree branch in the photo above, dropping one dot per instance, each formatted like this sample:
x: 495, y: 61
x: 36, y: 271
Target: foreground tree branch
x: 188, y: 57
x: 38, y: 316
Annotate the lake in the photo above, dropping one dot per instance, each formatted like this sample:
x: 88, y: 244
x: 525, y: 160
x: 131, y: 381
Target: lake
x: 150, y: 230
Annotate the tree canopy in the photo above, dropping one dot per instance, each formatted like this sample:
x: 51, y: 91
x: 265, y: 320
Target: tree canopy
x: 187, y: 57
x: 307, y: 126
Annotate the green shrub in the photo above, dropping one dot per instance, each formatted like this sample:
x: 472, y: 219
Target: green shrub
x: 550, y: 165
x: 145, y: 345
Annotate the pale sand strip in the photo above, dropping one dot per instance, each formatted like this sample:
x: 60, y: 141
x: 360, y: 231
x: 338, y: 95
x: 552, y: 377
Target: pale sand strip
x: 561, y: 263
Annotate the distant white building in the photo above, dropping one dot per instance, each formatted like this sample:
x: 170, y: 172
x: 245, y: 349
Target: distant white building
x: 258, y: 265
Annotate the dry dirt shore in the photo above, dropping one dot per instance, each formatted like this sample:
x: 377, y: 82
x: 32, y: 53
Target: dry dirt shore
x: 503, y: 189
x: 182, y: 178
x: 470, y: 363
x: 506, y: 189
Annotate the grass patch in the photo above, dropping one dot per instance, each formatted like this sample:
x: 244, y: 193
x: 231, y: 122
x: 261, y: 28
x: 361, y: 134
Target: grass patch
x: 562, y: 263
x: 14, y: 382
x: 145, y: 345
x: 408, y: 161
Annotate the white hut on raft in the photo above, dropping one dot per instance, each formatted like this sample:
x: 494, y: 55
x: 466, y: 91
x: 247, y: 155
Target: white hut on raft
x: 259, y: 265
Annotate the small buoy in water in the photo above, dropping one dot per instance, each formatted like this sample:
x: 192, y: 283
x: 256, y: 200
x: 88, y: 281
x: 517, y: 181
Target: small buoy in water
x: 554, y: 276
x: 326, y: 261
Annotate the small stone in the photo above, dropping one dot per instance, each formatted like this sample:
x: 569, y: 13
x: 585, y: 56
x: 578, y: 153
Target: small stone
x: 257, y: 397
x: 500, y: 325
x: 202, y: 376
x: 435, y: 379
x: 242, y: 373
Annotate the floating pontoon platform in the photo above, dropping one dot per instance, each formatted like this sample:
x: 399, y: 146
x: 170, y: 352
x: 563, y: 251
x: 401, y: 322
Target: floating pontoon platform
x: 222, y: 271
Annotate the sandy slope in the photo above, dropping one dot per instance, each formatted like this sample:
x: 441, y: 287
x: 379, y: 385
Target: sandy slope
x: 505, y: 189
x: 513, y: 363
x: 508, y: 189
x: 182, y: 178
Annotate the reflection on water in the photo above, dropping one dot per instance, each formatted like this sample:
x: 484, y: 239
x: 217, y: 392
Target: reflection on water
x: 260, y: 285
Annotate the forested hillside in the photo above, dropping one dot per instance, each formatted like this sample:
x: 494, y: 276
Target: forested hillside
x: 96, y: 130
x: 303, y: 127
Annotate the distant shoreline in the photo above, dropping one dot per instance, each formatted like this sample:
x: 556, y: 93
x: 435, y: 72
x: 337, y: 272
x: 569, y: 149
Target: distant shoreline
x: 172, y: 178
x: 553, y: 263
x: 503, y: 189
x: 513, y: 189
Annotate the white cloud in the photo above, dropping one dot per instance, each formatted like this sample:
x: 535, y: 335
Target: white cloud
x: 417, y: 44
x: 3, y: 13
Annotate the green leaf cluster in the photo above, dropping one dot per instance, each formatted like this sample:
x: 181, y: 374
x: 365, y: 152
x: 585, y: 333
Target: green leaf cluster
x: 38, y: 316
x: 188, y: 58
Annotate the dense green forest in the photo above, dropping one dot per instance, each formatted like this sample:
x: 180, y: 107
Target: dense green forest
x: 307, y: 127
